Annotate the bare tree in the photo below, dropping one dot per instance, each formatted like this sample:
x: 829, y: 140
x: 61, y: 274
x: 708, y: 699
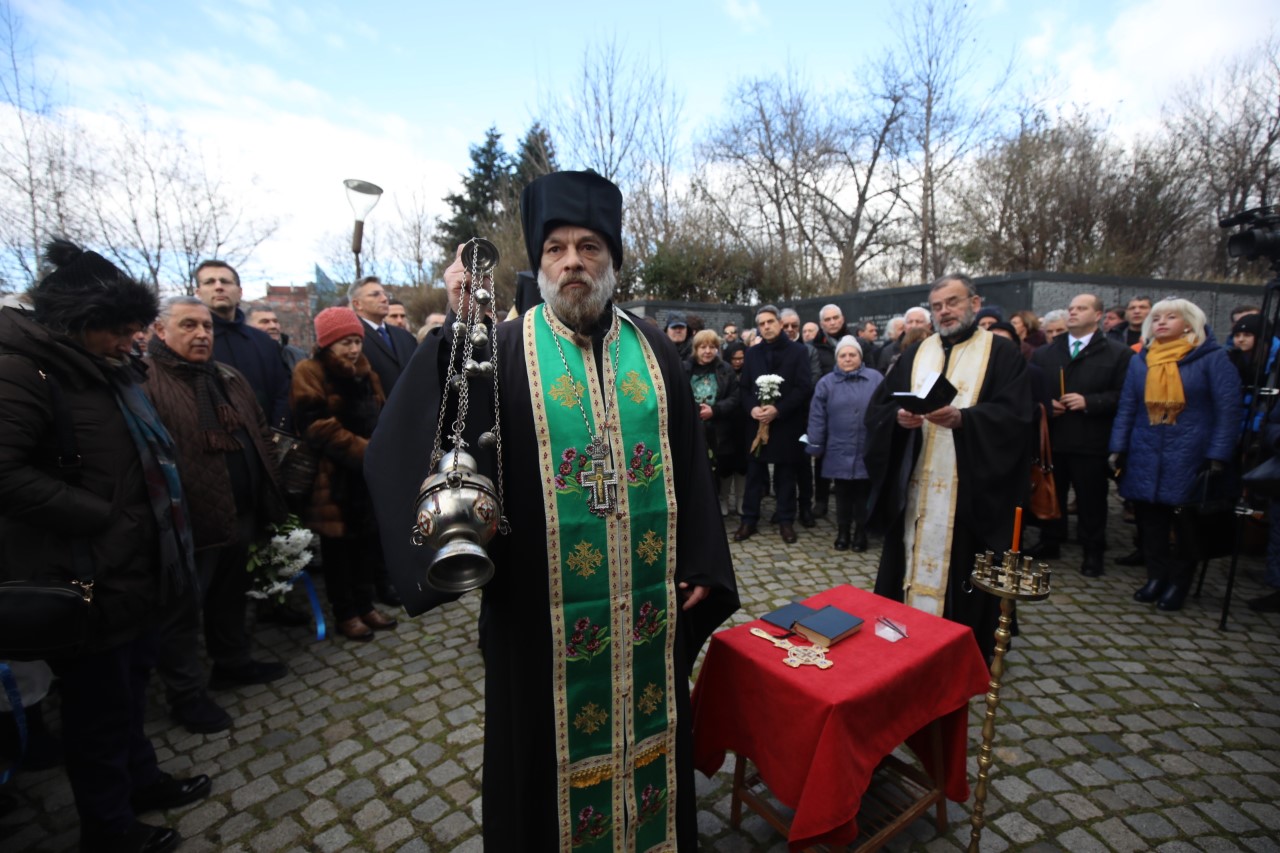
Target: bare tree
x: 139, y: 193
x: 340, y: 263
x: 1034, y: 200
x: 605, y: 126
x: 131, y: 183
x: 1063, y: 194
x: 412, y: 243
x: 158, y: 208
x: 654, y: 203
x: 768, y: 168
x: 936, y: 51
x: 625, y: 121
x: 1228, y: 123
x: 39, y: 152
x: 860, y: 212
x: 210, y: 220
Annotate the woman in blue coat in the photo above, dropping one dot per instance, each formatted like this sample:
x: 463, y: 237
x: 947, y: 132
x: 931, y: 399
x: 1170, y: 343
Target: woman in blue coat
x: 837, y: 434
x: 1179, y: 414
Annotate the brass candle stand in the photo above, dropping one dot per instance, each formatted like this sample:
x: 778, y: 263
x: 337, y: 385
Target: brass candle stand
x: 1015, y: 578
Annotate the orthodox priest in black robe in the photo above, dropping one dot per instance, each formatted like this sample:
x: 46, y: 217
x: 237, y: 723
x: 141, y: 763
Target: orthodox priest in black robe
x: 616, y: 568
x: 947, y: 483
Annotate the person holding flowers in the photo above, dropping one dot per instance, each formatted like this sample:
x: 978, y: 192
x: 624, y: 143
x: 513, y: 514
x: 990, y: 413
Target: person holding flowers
x: 775, y: 389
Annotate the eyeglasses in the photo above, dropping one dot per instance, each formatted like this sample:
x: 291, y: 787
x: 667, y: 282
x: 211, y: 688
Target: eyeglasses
x: 952, y: 303
x: 790, y: 325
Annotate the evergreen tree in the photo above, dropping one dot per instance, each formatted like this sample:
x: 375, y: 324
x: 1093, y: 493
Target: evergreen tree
x: 537, y: 157
x: 485, y: 196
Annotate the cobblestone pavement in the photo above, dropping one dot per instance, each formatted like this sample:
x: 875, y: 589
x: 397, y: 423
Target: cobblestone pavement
x: 1121, y: 728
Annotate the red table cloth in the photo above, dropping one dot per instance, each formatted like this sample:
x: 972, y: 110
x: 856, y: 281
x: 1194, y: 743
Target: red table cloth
x: 816, y: 736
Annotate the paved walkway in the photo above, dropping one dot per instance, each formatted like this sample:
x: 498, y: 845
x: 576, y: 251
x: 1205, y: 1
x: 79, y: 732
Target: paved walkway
x: 1121, y: 728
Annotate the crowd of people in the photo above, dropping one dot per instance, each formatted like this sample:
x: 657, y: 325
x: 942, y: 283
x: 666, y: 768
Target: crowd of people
x: 175, y: 410
x: 1157, y: 438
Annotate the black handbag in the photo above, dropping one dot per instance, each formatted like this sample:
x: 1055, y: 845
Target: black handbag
x: 42, y: 619
x: 1263, y: 480
x: 1212, y: 492
x: 298, y: 463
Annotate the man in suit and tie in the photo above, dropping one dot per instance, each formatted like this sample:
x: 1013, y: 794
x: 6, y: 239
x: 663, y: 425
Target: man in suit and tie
x: 387, y: 347
x: 1089, y: 369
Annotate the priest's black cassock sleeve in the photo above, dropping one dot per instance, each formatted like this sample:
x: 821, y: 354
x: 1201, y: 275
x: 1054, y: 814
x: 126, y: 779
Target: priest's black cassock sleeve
x: 519, y: 784
x: 993, y: 458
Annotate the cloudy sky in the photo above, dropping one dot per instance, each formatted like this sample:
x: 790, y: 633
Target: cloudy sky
x: 303, y: 95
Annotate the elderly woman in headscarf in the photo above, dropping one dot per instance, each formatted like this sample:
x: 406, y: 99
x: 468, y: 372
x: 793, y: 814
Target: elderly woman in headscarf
x: 115, y: 518
x: 1178, y: 417
x: 837, y: 434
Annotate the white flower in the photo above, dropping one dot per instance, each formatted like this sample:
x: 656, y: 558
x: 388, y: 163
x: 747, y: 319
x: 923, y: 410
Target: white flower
x: 769, y: 388
x: 276, y: 563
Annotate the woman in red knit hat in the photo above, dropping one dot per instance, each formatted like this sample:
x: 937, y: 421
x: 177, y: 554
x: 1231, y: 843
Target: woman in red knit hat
x: 336, y: 399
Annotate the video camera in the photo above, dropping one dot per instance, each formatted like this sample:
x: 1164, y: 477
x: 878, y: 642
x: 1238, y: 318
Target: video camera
x: 1259, y: 237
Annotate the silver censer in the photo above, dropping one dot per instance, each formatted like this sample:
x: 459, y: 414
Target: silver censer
x: 459, y: 510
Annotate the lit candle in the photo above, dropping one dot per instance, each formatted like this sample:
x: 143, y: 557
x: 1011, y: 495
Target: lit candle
x: 1017, y: 528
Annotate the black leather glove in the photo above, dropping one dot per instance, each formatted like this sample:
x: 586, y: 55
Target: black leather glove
x: 1117, y: 461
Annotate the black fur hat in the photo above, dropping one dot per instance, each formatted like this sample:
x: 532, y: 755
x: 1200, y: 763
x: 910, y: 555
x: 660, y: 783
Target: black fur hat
x: 585, y: 199
x: 86, y: 291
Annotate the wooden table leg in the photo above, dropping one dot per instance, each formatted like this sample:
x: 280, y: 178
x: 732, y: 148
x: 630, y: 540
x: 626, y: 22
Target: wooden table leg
x: 938, y: 771
x: 739, y: 780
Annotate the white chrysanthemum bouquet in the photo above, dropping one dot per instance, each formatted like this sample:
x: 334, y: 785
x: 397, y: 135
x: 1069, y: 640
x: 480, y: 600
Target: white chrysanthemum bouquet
x: 275, y: 564
x: 768, y: 392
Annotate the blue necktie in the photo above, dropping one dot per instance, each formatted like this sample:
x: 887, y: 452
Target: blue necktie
x: 386, y: 337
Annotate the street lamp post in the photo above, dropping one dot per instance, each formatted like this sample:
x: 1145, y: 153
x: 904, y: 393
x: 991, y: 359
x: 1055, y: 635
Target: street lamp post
x: 363, y: 196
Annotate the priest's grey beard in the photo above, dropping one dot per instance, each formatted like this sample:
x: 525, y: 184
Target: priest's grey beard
x: 579, y: 311
x: 962, y: 325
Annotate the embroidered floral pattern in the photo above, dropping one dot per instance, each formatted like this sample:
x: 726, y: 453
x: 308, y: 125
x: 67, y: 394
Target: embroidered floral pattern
x: 587, y: 640
x: 649, y: 623
x: 651, y: 698
x: 645, y: 466
x: 591, y: 826
x: 635, y: 388
x: 650, y: 548
x: 590, y: 718
x: 566, y: 391
x: 585, y: 559
x: 572, y: 461
x: 652, y: 801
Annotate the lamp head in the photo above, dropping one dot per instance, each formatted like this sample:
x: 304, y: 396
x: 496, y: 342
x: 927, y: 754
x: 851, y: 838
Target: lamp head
x: 363, y: 196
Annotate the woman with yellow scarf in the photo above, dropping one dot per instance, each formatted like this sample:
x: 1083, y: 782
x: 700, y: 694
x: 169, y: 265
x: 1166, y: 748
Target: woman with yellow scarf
x: 1178, y: 415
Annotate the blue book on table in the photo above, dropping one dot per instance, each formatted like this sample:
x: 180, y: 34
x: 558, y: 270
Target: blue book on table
x: 785, y: 617
x: 827, y: 626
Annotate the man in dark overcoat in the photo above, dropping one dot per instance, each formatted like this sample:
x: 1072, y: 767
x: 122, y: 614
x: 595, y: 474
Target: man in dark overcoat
x: 1087, y: 369
x: 785, y: 419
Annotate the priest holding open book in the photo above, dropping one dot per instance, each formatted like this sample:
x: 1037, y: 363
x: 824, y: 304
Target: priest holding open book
x: 949, y: 460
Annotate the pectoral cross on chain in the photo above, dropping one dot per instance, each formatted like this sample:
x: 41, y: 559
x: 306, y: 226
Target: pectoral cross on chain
x: 600, y: 480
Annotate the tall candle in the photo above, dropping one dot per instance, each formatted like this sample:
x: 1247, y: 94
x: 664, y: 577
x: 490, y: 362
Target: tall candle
x: 1062, y: 382
x: 1017, y: 528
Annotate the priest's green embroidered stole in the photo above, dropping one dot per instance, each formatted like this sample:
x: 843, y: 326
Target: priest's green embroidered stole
x: 611, y: 584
